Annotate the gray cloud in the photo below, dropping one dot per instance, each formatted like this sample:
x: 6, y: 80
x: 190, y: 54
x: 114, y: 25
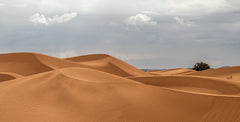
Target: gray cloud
x: 18, y: 5
x: 1, y: 4
x: 164, y: 39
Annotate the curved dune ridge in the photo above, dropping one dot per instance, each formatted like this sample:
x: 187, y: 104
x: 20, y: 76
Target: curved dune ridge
x: 108, y: 64
x: 99, y: 87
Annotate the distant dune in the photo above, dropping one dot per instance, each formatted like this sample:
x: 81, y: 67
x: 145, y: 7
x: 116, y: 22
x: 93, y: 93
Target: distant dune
x: 40, y: 88
x: 178, y: 71
x: 231, y: 73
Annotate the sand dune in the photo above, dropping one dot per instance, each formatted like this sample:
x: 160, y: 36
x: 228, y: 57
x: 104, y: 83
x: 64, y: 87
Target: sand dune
x: 193, y: 84
x: 178, y: 71
x: 231, y: 73
x: 22, y: 64
x: 108, y: 64
x: 32, y: 63
x: 40, y: 88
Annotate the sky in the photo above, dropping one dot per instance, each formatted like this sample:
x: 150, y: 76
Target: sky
x: 149, y: 34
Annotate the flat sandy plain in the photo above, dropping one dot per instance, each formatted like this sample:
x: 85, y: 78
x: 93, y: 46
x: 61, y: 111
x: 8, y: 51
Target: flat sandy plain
x: 40, y: 88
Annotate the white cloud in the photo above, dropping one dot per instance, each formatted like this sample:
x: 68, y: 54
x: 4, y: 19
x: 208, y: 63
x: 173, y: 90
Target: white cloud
x: 182, y: 21
x: 140, y: 19
x: 41, y: 19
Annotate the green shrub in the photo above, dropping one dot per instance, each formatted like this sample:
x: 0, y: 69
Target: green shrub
x: 201, y: 66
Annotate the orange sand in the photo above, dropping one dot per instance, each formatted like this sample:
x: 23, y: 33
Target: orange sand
x: 40, y: 88
x: 179, y: 71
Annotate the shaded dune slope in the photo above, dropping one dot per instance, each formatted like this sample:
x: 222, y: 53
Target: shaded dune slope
x: 80, y: 94
x: 226, y: 73
x: 4, y: 76
x: 31, y: 63
x: 108, y: 64
x: 22, y: 64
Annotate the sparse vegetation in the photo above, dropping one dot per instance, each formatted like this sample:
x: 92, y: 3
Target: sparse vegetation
x: 201, y: 66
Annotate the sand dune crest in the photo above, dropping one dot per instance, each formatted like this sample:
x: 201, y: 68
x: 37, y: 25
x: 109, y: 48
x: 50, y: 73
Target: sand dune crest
x: 108, y: 64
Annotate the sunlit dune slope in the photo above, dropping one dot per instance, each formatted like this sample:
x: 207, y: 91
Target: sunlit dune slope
x: 108, y: 64
x: 80, y: 94
x: 231, y: 73
x: 178, y: 71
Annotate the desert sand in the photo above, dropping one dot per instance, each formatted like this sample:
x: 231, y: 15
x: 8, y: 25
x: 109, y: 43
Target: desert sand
x: 40, y: 88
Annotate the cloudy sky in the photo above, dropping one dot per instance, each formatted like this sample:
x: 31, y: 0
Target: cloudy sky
x: 144, y: 33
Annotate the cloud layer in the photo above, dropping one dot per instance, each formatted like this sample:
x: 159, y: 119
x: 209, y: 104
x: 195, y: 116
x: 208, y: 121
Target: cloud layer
x: 145, y: 33
x: 41, y: 19
x: 1, y: 4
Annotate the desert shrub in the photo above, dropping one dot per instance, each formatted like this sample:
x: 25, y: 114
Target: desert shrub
x: 201, y: 66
